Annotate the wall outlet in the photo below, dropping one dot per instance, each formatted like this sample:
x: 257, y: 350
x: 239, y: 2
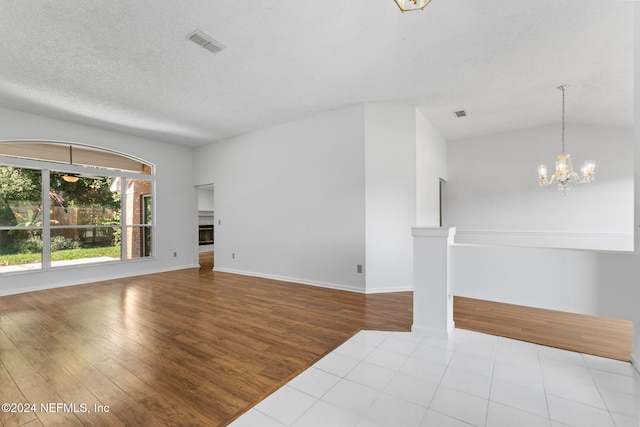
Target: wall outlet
x: 233, y: 256
x: 359, y: 268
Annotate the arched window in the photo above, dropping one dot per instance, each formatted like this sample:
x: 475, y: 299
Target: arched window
x: 68, y: 204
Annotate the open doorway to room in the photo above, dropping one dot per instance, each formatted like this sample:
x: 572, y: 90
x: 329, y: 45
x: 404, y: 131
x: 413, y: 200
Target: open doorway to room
x: 206, y: 226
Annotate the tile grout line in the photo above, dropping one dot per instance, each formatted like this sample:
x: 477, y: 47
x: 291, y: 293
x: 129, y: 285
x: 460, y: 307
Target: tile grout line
x: 544, y: 385
x: 493, y: 370
x: 598, y: 388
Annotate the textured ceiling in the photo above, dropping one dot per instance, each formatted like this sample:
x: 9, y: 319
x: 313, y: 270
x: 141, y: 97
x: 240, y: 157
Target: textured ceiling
x: 128, y: 65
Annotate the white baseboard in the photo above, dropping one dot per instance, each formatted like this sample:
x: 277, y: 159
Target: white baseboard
x: 84, y: 281
x: 120, y: 275
x: 387, y: 290
x: 440, y: 333
x: 292, y: 280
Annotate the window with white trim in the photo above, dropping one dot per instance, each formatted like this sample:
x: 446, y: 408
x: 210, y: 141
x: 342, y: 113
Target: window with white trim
x: 95, y: 207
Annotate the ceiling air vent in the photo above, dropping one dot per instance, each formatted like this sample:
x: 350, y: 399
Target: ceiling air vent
x: 460, y: 113
x: 205, y: 41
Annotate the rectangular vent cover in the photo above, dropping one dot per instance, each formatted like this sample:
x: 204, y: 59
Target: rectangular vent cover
x: 205, y: 41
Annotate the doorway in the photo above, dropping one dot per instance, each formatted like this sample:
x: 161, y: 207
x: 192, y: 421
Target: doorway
x: 205, y: 234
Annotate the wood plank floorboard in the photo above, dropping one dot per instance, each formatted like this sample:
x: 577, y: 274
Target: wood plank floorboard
x: 186, y: 348
x: 598, y: 336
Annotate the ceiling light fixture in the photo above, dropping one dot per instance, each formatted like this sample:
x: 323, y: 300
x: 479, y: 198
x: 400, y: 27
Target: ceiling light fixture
x: 409, y: 5
x: 564, y: 176
x: 70, y: 177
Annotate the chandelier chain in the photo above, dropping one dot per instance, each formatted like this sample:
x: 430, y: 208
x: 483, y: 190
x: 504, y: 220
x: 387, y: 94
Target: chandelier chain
x: 562, y: 88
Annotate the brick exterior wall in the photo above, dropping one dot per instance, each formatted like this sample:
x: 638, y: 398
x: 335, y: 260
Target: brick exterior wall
x: 136, y: 189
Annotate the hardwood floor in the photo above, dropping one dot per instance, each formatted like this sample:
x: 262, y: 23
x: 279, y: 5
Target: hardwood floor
x: 206, y: 260
x: 192, y: 347
x: 599, y: 336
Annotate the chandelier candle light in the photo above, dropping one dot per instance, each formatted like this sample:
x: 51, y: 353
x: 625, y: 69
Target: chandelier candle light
x: 409, y: 5
x: 564, y: 176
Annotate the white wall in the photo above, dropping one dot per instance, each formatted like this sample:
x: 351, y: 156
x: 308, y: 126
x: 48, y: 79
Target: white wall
x: 290, y: 200
x: 619, y: 292
x: 390, y: 168
x: 631, y: 271
x: 554, y: 279
x: 586, y: 282
x: 575, y: 281
x: 205, y: 200
x: 310, y: 200
x: 493, y: 183
x: 175, y: 224
x: 431, y: 166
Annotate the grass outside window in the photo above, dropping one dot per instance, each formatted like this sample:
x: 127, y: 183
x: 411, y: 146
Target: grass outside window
x: 63, y: 255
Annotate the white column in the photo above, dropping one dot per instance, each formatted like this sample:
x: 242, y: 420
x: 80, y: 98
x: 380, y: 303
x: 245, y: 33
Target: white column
x: 432, y: 301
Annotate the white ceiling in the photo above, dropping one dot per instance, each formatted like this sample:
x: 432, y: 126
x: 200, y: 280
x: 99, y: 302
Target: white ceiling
x: 128, y: 65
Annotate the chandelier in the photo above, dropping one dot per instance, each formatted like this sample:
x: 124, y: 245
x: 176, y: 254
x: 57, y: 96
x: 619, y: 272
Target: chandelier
x: 565, y: 177
x: 408, y: 5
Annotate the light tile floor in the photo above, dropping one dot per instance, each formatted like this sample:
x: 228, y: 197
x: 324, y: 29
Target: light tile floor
x: 471, y: 379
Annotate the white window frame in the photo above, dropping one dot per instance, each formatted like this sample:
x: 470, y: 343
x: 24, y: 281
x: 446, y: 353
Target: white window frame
x: 46, y: 168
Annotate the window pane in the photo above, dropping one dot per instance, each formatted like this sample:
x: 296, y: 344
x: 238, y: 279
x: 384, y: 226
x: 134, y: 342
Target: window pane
x: 20, y: 250
x: 71, y: 246
x: 20, y: 197
x: 139, y: 242
x: 139, y: 218
x: 139, y: 201
x: 20, y: 210
x: 86, y: 201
